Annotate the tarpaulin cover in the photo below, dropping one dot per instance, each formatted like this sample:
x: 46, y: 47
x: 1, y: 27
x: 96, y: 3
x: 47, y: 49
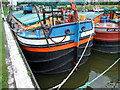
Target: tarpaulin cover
x: 27, y: 19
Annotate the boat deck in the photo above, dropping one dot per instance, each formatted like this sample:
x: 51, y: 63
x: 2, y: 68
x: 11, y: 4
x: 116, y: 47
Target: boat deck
x: 108, y: 25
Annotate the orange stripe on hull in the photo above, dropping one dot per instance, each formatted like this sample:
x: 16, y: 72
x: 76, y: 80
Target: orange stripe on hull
x: 85, y: 40
x: 56, y: 48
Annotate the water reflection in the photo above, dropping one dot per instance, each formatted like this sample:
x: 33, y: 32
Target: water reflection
x: 94, y: 66
x: 82, y: 75
x: 100, y: 62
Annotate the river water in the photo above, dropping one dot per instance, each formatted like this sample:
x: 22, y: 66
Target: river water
x: 94, y: 66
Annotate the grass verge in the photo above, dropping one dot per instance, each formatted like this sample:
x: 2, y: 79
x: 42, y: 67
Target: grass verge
x: 3, y: 66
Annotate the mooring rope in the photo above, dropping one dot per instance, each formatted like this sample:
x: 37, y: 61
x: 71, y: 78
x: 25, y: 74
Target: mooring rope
x: 67, y: 32
x: 88, y: 83
x: 60, y: 85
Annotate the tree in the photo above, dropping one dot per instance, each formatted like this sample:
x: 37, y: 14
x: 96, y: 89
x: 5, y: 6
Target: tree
x: 5, y: 2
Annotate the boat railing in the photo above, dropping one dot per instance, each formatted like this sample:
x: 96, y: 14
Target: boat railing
x: 51, y: 11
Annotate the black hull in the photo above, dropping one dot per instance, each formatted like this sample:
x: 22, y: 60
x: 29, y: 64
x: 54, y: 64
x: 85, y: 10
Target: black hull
x: 57, y: 61
x: 107, y: 47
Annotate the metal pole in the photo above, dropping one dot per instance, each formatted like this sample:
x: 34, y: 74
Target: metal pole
x: 52, y: 12
x: 42, y: 27
x: 44, y: 19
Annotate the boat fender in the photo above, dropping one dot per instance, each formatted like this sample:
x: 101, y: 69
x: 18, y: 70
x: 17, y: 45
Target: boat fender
x: 107, y: 18
x: 103, y: 18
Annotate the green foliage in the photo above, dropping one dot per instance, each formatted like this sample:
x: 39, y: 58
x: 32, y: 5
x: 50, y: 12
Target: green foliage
x: 59, y: 7
x: 40, y: 7
x: 103, y: 3
x: 102, y: 6
x: 89, y: 7
x: 6, y: 11
x: 68, y: 8
x: 5, y: 3
x: 78, y: 7
x: 118, y: 8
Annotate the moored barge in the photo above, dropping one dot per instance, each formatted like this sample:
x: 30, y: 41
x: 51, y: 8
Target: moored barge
x: 107, y: 30
x: 50, y: 44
